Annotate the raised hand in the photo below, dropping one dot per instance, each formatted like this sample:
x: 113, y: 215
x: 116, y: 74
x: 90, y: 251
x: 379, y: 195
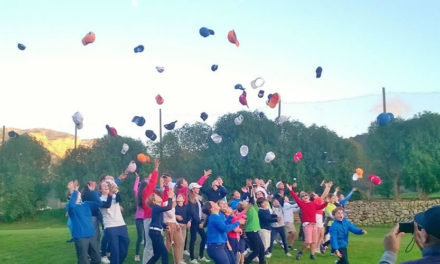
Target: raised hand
x: 207, y: 173
x: 294, y: 185
x: 354, y: 189
x: 288, y: 186
x: 244, y: 189
x: 91, y: 185
x: 156, y: 164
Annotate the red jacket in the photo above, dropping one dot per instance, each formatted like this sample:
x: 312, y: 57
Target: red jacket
x: 148, y: 191
x: 308, y: 210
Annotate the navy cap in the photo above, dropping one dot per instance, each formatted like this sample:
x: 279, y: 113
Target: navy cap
x: 239, y: 87
x: 261, y: 93
x: 170, y: 126
x: 318, y: 72
x: 204, y: 116
x: 21, y: 46
x: 138, y: 120
x: 139, y: 48
x: 151, y: 135
x: 214, y: 67
x: 429, y: 220
x: 205, y: 32
x: 160, y: 69
x: 12, y: 134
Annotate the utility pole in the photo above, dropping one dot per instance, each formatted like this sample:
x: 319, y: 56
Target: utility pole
x: 160, y: 132
x: 384, y: 100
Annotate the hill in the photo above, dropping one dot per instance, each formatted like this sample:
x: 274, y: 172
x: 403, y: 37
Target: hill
x: 57, y: 143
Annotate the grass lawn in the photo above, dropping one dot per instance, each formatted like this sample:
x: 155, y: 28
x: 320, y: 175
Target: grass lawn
x: 31, y: 242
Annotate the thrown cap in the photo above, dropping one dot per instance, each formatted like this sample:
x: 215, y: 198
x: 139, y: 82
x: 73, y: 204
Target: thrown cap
x: 204, y: 116
x: 138, y: 120
x: 170, y: 126
x: 150, y: 134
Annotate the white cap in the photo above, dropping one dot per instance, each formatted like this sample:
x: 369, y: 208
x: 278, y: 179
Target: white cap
x: 355, y: 177
x: 78, y: 120
x: 238, y: 120
x: 216, y: 138
x: 269, y: 157
x: 244, y: 150
x: 194, y: 185
x: 124, y: 149
x: 257, y: 83
x: 278, y: 183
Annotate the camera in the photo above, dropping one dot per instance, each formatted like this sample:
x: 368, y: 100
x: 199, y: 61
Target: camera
x: 406, y: 227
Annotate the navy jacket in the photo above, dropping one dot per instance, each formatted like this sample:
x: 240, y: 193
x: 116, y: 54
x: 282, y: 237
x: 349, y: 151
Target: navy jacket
x: 215, y: 195
x: 266, y: 218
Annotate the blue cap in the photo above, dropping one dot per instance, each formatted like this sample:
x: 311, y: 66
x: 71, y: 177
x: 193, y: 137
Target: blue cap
x: 205, y: 32
x: 261, y: 115
x: 428, y: 220
x: 170, y: 126
x: 204, y: 116
x: 261, y: 93
x: 385, y: 118
x: 160, y: 69
x: 139, y: 48
x: 21, y: 46
x: 12, y: 134
x: 138, y: 120
x: 214, y: 67
x: 239, y: 87
x: 318, y: 72
x: 151, y: 135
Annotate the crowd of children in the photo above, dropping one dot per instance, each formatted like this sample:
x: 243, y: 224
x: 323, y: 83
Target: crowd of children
x: 242, y: 231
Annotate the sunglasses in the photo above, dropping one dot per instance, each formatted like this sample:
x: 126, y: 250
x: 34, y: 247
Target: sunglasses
x: 304, y: 195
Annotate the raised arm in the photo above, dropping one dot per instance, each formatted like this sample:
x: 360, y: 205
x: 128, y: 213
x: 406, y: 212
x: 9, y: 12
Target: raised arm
x: 152, y: 182
x: 292, y: 192
x: 205, y: 176
x: 136, y: 185
x: 328, y: 186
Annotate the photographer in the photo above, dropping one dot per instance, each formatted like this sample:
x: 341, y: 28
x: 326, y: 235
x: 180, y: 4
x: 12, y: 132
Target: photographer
x: 426, y: 229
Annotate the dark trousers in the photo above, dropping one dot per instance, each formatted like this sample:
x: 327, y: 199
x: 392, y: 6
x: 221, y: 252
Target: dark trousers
x: 344, y: 259
x: 97, y: 236
x: 87, y: 247
x: 140, y: 234
x: 104, y: 245
x: 219, y: 253
x: 256, y: 246
x: 278, y: 230
x: 159, y: 249
x: 118, y: 242
x: 193, y: 231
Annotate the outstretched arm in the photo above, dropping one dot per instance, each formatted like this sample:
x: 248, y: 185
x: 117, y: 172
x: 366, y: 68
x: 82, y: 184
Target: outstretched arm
x: 328, y: 185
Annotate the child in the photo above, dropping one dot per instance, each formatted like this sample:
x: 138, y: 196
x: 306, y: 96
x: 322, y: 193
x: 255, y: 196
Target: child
x: 339, y: 234
x: 266, y: 219
x: 308, y: 219
x: 83, y: 231
x: 278, y: 228
x: 288, y: 211
x: 182, y: 217
x: 236, y: 199
x: 156, y: 226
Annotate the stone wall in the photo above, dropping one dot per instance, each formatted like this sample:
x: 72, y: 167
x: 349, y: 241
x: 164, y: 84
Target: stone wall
x: 386, y: 211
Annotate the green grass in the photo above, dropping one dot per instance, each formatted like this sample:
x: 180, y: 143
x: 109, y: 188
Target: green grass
x: 29, y: 242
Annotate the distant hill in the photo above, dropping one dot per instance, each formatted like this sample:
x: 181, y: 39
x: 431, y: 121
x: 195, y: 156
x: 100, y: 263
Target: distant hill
x: 57, y: 143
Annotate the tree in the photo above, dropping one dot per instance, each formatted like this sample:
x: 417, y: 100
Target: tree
x: 24, y: 182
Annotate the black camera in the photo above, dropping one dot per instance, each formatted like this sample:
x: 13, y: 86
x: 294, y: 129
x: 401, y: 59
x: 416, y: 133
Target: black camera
x: 406, y: 227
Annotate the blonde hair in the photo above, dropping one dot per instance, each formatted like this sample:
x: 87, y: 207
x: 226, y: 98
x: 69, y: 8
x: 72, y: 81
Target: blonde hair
x: 193, y: 197
x: 151, y: 200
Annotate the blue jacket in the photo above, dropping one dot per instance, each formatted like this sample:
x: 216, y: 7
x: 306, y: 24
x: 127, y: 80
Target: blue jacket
x: 339, y: 233
x: 217, y: 229
x: 215, y: 195
x: 157, y: 214
x: 266, y: 218
x: 81, y: 215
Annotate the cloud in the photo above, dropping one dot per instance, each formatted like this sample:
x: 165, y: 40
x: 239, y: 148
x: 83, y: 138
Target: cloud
x: 394, y: 105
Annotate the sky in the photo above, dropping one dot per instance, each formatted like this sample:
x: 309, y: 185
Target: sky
x: 362, y: 46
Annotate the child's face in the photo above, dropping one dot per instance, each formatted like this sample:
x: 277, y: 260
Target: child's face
x: 260, y: 194
x: 236, y: 195
x: 180, y: 199
x: 339, y: 215
x: 276, y: 203
x: 263, y: 204
x: 305, y: 197
x: 223, y: 205
x: 104, y: 188
x: 157, y: 199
